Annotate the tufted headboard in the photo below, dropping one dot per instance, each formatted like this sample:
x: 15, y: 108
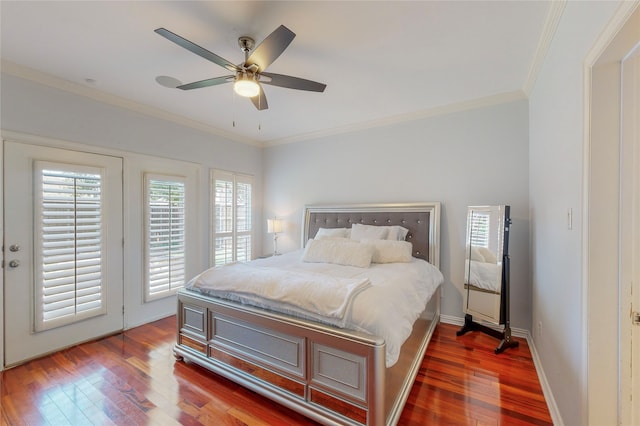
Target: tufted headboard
x: 421, y: 219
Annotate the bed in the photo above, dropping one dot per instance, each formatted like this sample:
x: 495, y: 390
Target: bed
x: 334, y: 375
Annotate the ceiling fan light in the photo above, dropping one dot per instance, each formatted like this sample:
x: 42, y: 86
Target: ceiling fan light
x: 247, y: 87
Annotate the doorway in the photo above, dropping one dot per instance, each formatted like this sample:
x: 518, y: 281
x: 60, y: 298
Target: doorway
x: 630, y: 235
x: 613, y: 221
x: 63, y: 278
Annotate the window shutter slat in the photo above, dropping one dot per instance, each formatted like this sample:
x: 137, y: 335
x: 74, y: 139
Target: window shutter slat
x: 165, y: 236
x: 480, y: 223
x: 231, y: 217
x: 69, y: 225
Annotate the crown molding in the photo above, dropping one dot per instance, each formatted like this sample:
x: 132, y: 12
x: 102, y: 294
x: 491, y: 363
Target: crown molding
x: 31, y: 74
x: 544, y: 42
x: 397, y: 119
x: 27, y: 73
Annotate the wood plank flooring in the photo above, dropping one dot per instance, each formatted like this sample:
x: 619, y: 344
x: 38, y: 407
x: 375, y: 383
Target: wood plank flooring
x: 133, y: 379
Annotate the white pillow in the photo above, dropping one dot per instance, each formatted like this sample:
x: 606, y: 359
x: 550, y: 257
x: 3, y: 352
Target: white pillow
x: 368, y: 232
x: 389, y: 251
x: 331, y: 233
x: 341, y: 251
x: 397, y: 232
x: 476, y: 254
x: 488, y: 255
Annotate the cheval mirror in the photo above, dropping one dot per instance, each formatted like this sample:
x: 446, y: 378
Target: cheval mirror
x: 486, y: 274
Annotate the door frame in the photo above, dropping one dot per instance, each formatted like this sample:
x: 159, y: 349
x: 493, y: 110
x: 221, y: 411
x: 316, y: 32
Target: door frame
x: 603, y: 398
x: 629, y: 233
x: 133, y: 162
x: 3, y: 257
x: 26, y: 337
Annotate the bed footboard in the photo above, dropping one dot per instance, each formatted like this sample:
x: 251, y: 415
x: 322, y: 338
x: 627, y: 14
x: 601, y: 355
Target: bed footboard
x: 332, y: 378
x: 335, y: 377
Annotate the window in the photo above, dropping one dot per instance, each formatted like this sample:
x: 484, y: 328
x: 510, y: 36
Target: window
x: 69, y: 244
x: 164, y: 235
x: 231, y: 216
x: 480, y: 224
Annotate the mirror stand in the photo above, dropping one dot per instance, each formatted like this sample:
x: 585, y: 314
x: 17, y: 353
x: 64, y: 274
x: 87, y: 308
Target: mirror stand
x: 486, y: 278
x: 506, y: 340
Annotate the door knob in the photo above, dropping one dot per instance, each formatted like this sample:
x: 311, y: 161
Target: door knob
x: 14, y: 263
x: 14, y: 247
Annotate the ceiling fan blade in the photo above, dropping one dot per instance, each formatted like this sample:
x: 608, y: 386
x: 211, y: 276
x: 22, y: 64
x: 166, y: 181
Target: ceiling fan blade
x: 206, y: 83
x: 260, y: 101
x: 200, y: 51
x: 293, y: 82
x: 167, y: 81
x: 271, y: 47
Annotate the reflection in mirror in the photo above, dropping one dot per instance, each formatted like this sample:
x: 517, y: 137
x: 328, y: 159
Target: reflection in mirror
x: 486, y: 275
x: 483, y: 271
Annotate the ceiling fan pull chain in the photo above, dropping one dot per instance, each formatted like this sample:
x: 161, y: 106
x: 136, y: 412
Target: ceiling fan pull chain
x: 233, y: 108
x: 259, y: 115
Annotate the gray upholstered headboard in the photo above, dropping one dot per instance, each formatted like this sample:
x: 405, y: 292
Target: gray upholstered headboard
x: 422, y: 220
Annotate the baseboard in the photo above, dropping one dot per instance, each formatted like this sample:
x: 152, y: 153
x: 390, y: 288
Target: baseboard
x: 517, y: 332
x: 156, y: 317
x: 525, y: 334
x: 544, y: 383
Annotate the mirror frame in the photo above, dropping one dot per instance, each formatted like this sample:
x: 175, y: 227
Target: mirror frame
x: 486, y: 290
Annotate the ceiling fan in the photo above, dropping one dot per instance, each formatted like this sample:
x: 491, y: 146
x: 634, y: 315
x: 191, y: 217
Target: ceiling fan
x: 248, y: 76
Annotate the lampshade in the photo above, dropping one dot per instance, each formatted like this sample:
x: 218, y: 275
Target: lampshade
x: 274, y: 226
x: 246, y: 86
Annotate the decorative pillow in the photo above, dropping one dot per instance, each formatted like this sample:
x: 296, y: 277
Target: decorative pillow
x: 397, y: 232
x: 368, y: 232
x: 341, y: 251
x: 331, y: 233
x: 488, y: 255
x: 476, y: 254
x: 389, y: 251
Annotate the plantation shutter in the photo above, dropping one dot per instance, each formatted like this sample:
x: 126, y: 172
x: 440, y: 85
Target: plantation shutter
x: 165, y: 236
x: 231, y: 213
x: 480, y: 223
x: 69, y: 264
x: 243, y: 219
x: 223, y: 218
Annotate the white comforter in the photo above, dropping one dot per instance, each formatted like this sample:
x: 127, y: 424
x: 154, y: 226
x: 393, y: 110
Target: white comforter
x: 321, y: 297
x: 383, y: 300
x: 486, y: 276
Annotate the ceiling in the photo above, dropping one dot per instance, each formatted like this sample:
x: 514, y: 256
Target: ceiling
x: 382, y: 61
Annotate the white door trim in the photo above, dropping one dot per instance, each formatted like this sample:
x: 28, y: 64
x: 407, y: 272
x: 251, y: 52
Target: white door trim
x: 134, y: 165
x: 3, y: 259
x: 24, y: 340
x: 629, y: 233
x: 601, y: 402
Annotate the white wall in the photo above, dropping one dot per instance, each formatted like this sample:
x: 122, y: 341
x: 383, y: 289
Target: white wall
x: 49, y: 115
x: 472, y: 157
x: 556, y: 185
x: 37, y: 109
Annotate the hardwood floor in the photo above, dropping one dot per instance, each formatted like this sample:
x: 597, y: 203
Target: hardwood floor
x: 133, y: 378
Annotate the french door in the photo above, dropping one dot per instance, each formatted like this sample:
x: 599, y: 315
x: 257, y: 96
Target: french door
x: 63, y: 248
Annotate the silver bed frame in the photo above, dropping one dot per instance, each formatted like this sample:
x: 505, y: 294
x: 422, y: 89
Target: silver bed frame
x: 331, y: 375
